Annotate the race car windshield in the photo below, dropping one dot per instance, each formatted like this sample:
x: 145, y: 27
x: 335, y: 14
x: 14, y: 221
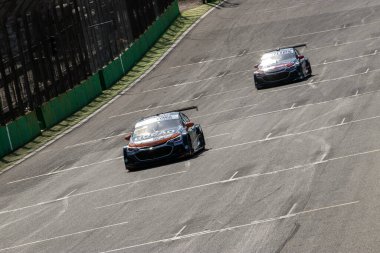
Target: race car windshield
x: 157, y: 126
x: 273, y: 58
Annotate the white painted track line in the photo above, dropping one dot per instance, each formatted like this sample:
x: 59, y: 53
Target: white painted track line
x: 195, y: 81
x: 89, y: 192
x: 218, y: 135
x: 63, y: 236
x: 296, y: 133
x: 347, y: 59
x: 308, y: 49
x: 260, y: 93
x: 180, y: 231
x: 331, y: 30
x: 181, y: 102
x: 253, y: 223
x: 223, y: 111
x: 247, y: 106
x: 293, y: 107
x: 297, y: 167
x: 65, y: 170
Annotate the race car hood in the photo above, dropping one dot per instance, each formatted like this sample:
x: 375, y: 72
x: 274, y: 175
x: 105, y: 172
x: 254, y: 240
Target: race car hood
x: 276, y: 65
x: 154, y: 139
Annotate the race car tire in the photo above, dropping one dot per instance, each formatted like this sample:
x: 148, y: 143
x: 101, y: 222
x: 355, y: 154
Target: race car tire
x: 309, y: 70
x: 257, y: 85
x: 301, y: 74
x: 191, y: 148
x: 202, y: 141
x: 131, y: 169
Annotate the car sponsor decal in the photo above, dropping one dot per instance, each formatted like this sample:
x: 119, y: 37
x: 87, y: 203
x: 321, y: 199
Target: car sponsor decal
x: 155, y: 136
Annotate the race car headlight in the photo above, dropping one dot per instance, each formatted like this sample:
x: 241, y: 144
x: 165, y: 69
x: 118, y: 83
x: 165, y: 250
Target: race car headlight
x: 176, y: 139
x: 132, y: 149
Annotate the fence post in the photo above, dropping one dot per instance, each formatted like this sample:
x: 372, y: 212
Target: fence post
x: 9, y: 137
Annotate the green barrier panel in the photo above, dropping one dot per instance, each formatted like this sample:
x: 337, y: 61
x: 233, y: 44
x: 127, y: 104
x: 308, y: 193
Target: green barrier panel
x: 147, y: 40
x: 112, y: 73
x: 23, y: 130
x: 93, y: 87
x: 5, y: 147
x: 70, y: 102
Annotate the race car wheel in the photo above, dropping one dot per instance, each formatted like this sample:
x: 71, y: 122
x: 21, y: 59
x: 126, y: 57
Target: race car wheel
x: 131, y: 169
x: 301, y: 73
x: 191, y: 148
x: 309, y: 70
x: 202, y: 142
x: 258, y: 87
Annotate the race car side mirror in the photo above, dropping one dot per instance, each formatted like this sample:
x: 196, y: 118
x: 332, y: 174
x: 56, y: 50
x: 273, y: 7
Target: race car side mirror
x: 300, y: 57
x: 189, y: 124
x: 256, y: 66
x: 128, y: 137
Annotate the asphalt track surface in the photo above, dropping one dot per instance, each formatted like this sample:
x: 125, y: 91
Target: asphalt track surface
x: 293, y: 168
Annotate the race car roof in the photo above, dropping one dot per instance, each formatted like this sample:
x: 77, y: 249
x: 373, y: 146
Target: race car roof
x: 157, y: 118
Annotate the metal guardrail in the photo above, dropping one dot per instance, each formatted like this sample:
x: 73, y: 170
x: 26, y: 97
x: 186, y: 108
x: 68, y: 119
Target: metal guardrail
x: 49, y: 46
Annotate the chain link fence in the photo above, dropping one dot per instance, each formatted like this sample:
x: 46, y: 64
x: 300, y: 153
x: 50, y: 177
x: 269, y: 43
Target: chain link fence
x: 49, y: 46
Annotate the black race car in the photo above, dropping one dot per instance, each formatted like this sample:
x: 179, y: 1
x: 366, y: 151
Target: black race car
x: 280, y: 66
x: 161, y: 137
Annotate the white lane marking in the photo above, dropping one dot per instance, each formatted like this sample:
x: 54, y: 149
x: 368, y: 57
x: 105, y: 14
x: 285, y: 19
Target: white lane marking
x: 293, y: 106
x: 347, y: 59
x: 268, y: 136
x: 230, y: 57
x: 56, y: 168
x: 21, y: 219
x: 218, y: 135
x: 292, y: 209
x: 228, y: 100
x: 277, y: 9
x: 231, y: 178
x: 181, y: 102
x: 228, y: 110
x: 295, y: 134
x: 322, y: 82
x: 180, y: 231
x: 96, y: 140
x: 232, y: 228
x: 344, y: 119
x: 70, y: 194
x: 199, y: 96
x: 336, y: 44
x: 90, y: 192
x: 290, y: 108
x: 331, y: 30
x: 357, y: 92
x: 148, y: 107
x: 297, y: 167
x: 65, y: 170
x: 64, y: 236
x: 196, y: 81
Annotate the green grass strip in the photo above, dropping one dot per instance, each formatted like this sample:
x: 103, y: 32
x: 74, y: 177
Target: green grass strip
x: 179, y: 26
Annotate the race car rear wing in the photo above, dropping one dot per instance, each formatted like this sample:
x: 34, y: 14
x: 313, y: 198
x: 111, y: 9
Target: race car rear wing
x: 294, y: 46
x: 184, y: 109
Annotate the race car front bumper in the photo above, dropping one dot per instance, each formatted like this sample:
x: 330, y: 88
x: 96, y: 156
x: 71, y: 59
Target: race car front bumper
x: 141, y: 157
x: 279, y: 77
